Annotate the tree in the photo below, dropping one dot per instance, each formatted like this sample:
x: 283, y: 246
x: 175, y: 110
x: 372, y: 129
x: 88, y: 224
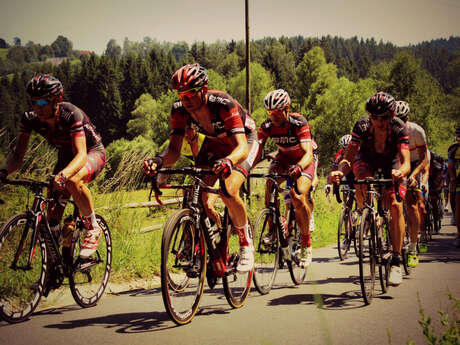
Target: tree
x: 113, y: 50
x: 3, y: 44
x: 314, y: 76
x: 338, y: 108
x: 150, y: 117
x: 62, y: 47
x: 281, y: 64
x: 261, y: 84
x: 17, y: 41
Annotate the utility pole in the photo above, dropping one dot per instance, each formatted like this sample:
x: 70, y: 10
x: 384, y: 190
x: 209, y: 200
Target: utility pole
x: 248, y: 59
x: 248, y: 84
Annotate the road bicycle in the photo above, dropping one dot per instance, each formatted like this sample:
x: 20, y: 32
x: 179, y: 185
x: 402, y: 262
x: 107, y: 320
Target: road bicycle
x: 193, y: 248
x: 284, y: 247
x: 32, y: 264
x: 374, y: 236
x: 348, y: 222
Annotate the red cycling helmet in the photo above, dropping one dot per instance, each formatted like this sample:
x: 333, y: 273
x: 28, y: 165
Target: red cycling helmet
x: 45, y: 86
x: 381, y: 104
x: 189, y: 77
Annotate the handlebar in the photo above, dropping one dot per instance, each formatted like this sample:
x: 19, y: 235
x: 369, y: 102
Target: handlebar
x: 275, y: 178
x: 193, y: 171
x: 368, y: 181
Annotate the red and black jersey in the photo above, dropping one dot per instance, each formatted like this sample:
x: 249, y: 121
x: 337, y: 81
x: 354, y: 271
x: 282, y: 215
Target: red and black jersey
x: 363, y: 138
x: 289, y: 137
x: 71, y: 122
x: 338, y: 158
x: 228, y: 118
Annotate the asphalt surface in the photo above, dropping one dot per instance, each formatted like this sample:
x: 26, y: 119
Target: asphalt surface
x: 326, y: 309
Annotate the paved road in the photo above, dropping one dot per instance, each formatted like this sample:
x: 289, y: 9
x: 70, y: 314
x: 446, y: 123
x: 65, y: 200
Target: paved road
x: 327, y: 309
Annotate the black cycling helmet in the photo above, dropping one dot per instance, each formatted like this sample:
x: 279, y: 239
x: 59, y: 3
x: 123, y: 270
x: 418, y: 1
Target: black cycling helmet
x: 45, y: 86
x: 189, y: 77
x: 381, y: 104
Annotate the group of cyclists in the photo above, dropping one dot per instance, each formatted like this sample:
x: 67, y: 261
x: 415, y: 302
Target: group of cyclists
x: 222, y: 135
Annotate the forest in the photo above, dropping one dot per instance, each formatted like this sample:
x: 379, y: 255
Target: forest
x: 126, y: 91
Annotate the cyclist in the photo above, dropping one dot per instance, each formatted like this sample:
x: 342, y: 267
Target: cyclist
x: 291, y: 133
x: 231, y: 139
x: 383, y: 143
x: 81, y: 154
x: 415, y: 202
x: 435, y: 183
x: 454, y: 177
x: 343, y: 142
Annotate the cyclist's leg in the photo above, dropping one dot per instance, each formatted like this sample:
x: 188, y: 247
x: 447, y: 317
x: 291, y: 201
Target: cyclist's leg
x: 457, y: 216
x: 303, y: 210
x: 413, y: 217
x: 82, y: 197
x: 361, y: 170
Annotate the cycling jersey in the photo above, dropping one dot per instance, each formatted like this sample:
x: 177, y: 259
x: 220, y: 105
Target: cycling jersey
x: 363, y: 139
x: 335, y: 164
x: 287, y: 138
x: 417, y: 139
x: 71, y: 122
x: 228, y: 118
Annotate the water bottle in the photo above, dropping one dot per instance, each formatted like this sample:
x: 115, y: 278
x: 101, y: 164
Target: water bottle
x: 67, y: 231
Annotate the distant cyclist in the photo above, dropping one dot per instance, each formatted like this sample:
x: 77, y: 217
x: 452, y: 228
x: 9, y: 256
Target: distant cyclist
x: 435, y: 184
x: 343, y: 142
x: 231, y: 139
x: 291, y: 133
x: 81, y: 155
x: 454, y: 177
x: 380, y: 141
x: 415, y: 201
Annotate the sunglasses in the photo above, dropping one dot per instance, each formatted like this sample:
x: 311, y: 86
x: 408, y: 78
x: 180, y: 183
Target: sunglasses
x: 382, y: 117
x: 276, y: 112
x: 40, y: 102
x: 189, y: 93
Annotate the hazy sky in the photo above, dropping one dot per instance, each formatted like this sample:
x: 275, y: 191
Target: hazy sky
x: 90, y: 24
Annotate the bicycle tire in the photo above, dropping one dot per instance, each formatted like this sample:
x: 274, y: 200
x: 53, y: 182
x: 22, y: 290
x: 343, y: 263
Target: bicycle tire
x: 183, y: 267
x: 266, y: 257
x: 344, y: 234
x: 366, y: 257
x: 298, y: 274
x: 20, y: 289
x: 383, y: 251
x: 90, y: 277
x: 236, y: 285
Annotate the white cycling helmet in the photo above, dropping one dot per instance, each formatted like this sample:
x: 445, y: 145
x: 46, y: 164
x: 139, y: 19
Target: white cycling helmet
x: 402, y: 110
x: 277, y: 100
x: 345, y: 140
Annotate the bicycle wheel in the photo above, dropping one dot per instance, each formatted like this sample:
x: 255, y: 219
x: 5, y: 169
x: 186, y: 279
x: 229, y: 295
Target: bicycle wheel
x: 266, y: 256
x: 384, y: 253
x: 21, y: 287
x: 367, y: 256
x: 297, y: 273
x: 89, y: 277
x: 183, y: 267
x: 344, y: 234
x: 236, y: 285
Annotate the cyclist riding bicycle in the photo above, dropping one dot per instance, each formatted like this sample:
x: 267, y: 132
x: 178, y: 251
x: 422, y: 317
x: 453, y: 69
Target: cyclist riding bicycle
x: 291, y: 133
x: 81, y: 154
x: 343, y: 142
x: 231, y: 139
x: 454, y: 177
x: 435, y: 183
x: 415, y: 201
x: 380, y: 141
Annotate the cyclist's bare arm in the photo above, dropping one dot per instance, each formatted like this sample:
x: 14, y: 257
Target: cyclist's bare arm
x: 423, y: 162
x: 345, y: 164
x: 404, y: 169
x: 79, y: 160
x: 15, y: 159
x: 307, y: 158
x: 241, y: 150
